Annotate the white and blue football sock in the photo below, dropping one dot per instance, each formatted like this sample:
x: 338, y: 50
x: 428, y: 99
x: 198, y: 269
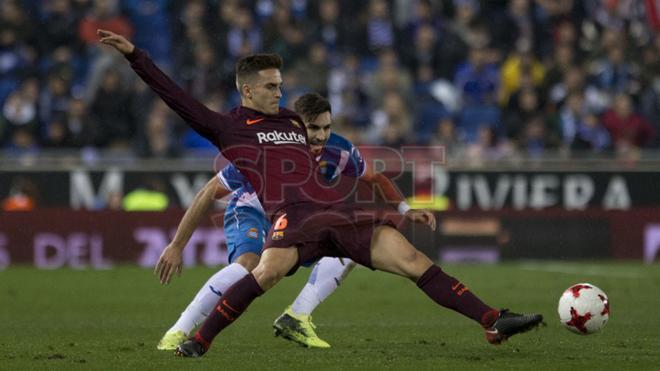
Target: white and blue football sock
x: 324, y: 280
x: 207, y: 297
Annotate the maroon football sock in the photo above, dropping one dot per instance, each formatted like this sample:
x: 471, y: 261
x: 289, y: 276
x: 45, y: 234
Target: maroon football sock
x: 451, y: 293
x: 229, y: 307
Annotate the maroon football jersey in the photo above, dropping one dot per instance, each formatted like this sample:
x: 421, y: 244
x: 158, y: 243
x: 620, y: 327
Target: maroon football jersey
x: 270, y: 150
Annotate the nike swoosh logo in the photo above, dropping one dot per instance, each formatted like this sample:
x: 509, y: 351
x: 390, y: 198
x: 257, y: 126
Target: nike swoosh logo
x: 454, y: 287
x: 252, y: 122
x: 492, y: 332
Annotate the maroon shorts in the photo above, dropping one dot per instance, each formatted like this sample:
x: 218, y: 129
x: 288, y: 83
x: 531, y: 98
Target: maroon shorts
x: 339, y: 230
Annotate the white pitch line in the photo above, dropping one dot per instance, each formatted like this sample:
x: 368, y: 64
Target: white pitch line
x: 588, y: 271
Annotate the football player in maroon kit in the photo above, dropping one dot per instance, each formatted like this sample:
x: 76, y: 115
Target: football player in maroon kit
x: 269, y: 146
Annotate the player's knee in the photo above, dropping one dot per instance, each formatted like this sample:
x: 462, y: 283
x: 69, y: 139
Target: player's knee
x: 249, y: 261
x: 409, y: 256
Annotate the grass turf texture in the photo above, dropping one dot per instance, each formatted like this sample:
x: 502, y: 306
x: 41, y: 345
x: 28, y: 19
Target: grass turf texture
x: 104, y: 320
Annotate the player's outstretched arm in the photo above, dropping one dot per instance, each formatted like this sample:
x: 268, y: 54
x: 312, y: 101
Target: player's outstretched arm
x: 194, y: 113
x: 171, y: 259
x: 391, y: 194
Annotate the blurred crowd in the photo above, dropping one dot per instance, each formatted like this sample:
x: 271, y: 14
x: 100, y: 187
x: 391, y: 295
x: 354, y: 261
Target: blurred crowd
x: 484, y: 78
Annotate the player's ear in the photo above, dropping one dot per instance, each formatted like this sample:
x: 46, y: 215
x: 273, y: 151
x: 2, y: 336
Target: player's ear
x: 247, y: 92
x: 243, y: 88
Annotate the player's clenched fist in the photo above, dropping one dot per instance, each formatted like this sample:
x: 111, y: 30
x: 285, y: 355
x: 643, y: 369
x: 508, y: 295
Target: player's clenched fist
x: 118, y: 42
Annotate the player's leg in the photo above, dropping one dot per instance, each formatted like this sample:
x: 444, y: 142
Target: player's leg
x: 244, y: 244
x: 391, y: 252
x: 205, y: 300
x: 275, y: 263
x: 326, y: 276
x: 296, y: 322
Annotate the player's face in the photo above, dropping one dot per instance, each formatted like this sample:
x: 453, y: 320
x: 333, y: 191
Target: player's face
x: 266, y: 91
x: 318, y: 132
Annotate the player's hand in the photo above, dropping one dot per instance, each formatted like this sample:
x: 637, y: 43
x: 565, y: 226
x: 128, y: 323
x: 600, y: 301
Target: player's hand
x: 422, y: 216
x: 118, y: 42
x: 170, y: 262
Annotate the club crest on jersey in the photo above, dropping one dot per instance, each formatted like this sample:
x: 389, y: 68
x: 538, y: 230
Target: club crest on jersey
x: 295, y: 123
x: 253, y: 233
x: 278, y: 137
x: 323, y: 167
x: 278, y: 235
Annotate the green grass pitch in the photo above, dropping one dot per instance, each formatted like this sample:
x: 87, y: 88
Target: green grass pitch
x: 109, y: 320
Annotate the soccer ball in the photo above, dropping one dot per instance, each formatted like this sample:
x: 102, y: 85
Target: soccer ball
x: 584, y: 308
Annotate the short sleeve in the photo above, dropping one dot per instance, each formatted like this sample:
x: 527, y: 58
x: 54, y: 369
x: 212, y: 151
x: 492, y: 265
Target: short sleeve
x: 352, y: 163
x: 231, y: 178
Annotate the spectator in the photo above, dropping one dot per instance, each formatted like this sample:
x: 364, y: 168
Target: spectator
x: 160, y: 143
x: 81, y: 128
x: 292, y: 45
x: 591, y: 136
x: 650, y: 61
x: 570, y: 118
x: 626, y: 127
x: 105, y: 15
x: 391, y: 123
x: 424, y: 14
x: 19, y: 118
x: 243, y: 37
x: 152, y: 28
x: 332, y: 30
x: 426, y: 32
x: 59, y: 20
x: 563, y: 58
x: 614, y: 75
x: 54, y: 98
x: 424, y: 51
x: 466, y: 14
x: 519, y: 24
x: 520, y: 111
x: 14, y: 61
x: 190, y: 30
x: 429, y: 109
x: 22, y: 196
x: 573, y: 82
x: 57, y: 133
x: 273, y: 28
x: 477, y: 79
x: 578, y: 128
x: 520, y: 63
x: 345, y: 91
x: 488, y: 145
x: 313, y: 71
x: 109, y: 110
x: 379, y: 28
x: 13, y: 18
x: 204, y: 75
x: 388, y: 77
x: 534, y: 139
x: 446, y: 136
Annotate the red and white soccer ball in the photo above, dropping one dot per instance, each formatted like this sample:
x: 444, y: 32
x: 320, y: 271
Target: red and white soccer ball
x: 584, y: 309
